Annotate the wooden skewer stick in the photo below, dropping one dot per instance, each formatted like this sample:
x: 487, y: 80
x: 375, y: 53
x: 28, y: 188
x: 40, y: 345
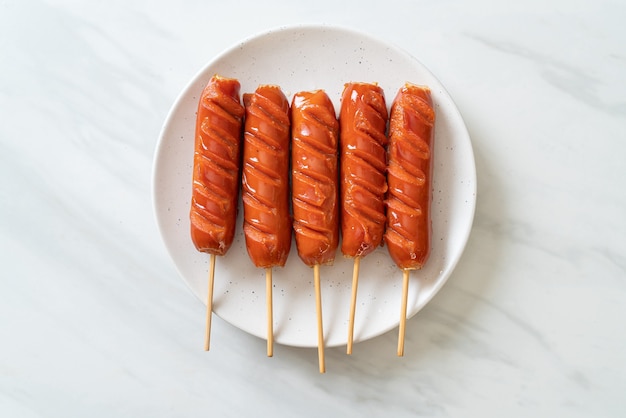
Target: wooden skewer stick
x: 405, y: 295
x: 355, y: 284
x: 270, y: 315
x: 209, y: 304
x: 320, y: 329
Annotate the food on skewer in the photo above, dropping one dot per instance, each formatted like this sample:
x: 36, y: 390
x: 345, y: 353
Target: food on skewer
x: 363, y: 123
x: 265, y: 185
x: 409, y: 178
x: 315, y: 203
x: 215, y: 189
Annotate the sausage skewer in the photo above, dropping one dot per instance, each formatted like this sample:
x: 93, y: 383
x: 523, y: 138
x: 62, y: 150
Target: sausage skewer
x: 363, y: 122
x: 215, y: 187
x: 315, y: 131
x: 209, y: 303
x: 409, y: 176
x: 269, y: 304
x: 265, y: 186
x: 353, y: 296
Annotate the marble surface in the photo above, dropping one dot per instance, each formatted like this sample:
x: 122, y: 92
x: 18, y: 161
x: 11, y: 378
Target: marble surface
x: 95, y: 320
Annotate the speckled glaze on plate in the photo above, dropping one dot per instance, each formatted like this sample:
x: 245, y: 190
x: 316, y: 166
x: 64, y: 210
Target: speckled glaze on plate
x: 304, y: 58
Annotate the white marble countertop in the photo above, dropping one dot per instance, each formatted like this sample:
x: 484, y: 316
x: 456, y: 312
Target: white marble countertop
x: 95, y: 320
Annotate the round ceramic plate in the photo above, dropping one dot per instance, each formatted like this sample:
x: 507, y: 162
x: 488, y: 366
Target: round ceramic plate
x: 305, y: 58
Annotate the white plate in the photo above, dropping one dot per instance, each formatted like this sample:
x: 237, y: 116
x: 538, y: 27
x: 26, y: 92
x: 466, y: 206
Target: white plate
x: 304, y: 58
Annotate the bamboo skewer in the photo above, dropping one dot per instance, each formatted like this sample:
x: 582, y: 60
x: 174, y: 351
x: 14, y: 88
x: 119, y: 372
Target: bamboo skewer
x: 355, y: 285
x: 320, y: 329
x: 405, y: 295
x: 270, y: 315
x: 209, y: 304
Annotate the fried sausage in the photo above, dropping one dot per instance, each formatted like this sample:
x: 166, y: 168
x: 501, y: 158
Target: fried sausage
x: 363, y: 122
x: 265, y: 177
x: 215, y: 189
x: 315, y: 133
x: 409, y: 175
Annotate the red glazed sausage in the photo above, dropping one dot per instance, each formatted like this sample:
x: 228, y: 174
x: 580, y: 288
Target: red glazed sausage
x: 215, y: 189
x: 409, y: 176
x: 315, y: 133
x: 265, y: 178
x: 363, y: 121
